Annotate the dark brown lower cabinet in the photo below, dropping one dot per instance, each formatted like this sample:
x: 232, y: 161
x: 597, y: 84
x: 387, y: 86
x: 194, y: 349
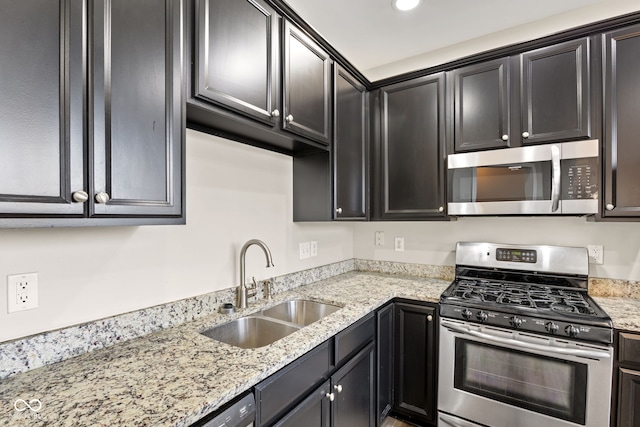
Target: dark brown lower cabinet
x: 384, y: 351
x: 627, y: 370
x: 314, y: 411
x: 415, y: 362
x: 353, y: 388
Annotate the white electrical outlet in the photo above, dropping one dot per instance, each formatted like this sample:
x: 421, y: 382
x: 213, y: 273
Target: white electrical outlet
x: 596, y: 254
x: 379, y: 241
x: 314, y: 248
x: 305, y: 250
x: 399, y: 244
x: 22, y: 292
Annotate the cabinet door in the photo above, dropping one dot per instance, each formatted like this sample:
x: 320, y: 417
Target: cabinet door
x: 307, y: 86
x: 415, y: 361
x: 136, y: 104
x: 384, y: 351
x: 412, y: 149
x: 555, y: 93
x: 621, y: 125
x: 482, y: 106
x: 629, y: 398
x: 354, y: 391
x: 314, y: 411
x: 236, y: 56
x: 349, y: 147
x: 41, y: 108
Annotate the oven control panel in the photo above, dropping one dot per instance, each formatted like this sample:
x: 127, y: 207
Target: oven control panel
x: 540, y: 325
x: 517, y: 255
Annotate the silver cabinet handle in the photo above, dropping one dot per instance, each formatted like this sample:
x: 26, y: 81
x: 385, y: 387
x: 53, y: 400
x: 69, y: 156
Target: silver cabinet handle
x: 555, y: 178
x: 339, y: 210
x: 525, y: 135
x: 331, y: 397
x: 102, y: 197
x: 275, y: 113
x: 441, y: 209
x: 429, y: 318
x: 610, y: 207
x: 289, y: 118
x: 80, y: 196
x: 338, y: 388
x: 505, y: 137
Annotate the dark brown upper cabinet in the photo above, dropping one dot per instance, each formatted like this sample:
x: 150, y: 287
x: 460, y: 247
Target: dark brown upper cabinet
x: 410, y: 150
x: 540, y: 96
x: 621, y: 155
x: 482, y: 105
x: 307, y: 86
x: 92, y: 122
x: 256, y: 78
x: 236, y: 57
x: 349, y: 147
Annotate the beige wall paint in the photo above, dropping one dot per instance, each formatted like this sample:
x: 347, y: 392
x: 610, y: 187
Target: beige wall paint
x: 434, y: 242
x: 234, y: 193
x: 522, y: 33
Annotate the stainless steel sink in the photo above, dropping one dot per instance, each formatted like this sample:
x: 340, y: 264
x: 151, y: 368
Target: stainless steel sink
x: 250, y: 332
x: 300, y: 312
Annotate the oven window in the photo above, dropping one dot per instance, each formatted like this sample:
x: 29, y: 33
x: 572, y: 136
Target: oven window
x: 550, y: 386
x: 505, y: 183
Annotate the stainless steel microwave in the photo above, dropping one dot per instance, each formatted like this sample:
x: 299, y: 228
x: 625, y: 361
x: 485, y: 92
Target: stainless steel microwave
x: 550, y: 179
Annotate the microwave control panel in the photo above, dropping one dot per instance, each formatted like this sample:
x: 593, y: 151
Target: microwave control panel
x: 580, y: 178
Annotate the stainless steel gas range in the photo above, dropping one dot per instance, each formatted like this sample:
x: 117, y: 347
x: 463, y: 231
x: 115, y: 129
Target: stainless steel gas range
x: 521, y: 342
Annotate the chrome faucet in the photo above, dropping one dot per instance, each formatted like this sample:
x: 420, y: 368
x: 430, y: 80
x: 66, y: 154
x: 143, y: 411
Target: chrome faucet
x: 243, y: 291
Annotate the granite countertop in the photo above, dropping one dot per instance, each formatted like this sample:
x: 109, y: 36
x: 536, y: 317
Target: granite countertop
x: 176, y: 376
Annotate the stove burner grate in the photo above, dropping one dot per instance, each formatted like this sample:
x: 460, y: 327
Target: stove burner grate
x: 523, y: 295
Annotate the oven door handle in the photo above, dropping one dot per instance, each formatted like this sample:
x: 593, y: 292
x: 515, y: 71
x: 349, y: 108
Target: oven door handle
x: 454, y: 422
x: 592, y: 354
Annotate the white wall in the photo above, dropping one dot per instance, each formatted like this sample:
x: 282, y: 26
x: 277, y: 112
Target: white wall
x: 533, y: 30
x: 434, y: 242
x: 234, y: 193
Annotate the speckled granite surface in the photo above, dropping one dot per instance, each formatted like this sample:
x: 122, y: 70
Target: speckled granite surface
x: 55, y: 346
x: 175, y: 376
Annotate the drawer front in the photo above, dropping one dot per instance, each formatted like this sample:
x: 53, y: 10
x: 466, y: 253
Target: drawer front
x: 276, y: 394
x: 629, y: 349
x: 355, y: 337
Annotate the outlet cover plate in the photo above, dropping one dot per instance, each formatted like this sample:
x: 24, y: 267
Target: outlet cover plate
x: 399, y: 244
x: 596, y: 254
x: 22, y: 292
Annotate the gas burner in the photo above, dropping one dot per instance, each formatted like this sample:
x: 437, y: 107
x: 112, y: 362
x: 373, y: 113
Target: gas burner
x: 523, y: 295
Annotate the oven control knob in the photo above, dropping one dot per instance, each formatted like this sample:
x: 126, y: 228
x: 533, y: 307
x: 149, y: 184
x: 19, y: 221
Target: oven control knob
x: 572, y: 331
x: 466, y: 314
x: 552, y: 327
x: 482, y: 316
x: 515, y: 321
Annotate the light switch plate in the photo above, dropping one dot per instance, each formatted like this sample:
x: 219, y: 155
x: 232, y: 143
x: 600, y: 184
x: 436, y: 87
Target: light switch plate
x: 305, y: 250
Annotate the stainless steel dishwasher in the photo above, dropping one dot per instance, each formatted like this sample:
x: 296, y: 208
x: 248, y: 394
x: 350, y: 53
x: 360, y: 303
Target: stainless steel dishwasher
x: 240, y: 413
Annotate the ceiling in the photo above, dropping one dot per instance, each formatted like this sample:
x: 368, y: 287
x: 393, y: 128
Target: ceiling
x: 371, y: 34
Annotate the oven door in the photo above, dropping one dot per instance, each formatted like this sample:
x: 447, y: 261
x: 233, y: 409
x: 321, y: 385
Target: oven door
x: 505, y: 378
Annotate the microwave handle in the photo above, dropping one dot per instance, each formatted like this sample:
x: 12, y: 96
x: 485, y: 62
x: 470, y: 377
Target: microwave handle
x: 555, y: 178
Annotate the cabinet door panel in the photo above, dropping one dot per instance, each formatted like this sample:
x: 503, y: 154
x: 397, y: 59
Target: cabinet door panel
x: 353, y: 386
x: 314, y: 411
x: 481, y: 106
x: 622, y: 127
x: 629, y: 398
x: 137, y: 106
x: 41, y: 128
x: 349, y: 147
x: 307, y: 82
x: 236, y: 55
x: 555, y: 93
x: 412, y: 148
x: 384, y: 350
x: 415, y: 375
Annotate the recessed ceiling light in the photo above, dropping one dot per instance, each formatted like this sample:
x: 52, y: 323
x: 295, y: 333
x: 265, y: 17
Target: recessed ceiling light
x: 404, y: 5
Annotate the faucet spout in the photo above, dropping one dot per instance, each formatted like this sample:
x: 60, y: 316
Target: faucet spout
x: 242, y: 289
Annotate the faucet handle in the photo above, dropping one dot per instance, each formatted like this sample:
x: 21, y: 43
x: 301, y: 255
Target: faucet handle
x: 255, y: 285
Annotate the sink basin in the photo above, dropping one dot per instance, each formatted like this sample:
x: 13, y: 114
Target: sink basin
x: 250, y: 332
x: 300, y: 312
